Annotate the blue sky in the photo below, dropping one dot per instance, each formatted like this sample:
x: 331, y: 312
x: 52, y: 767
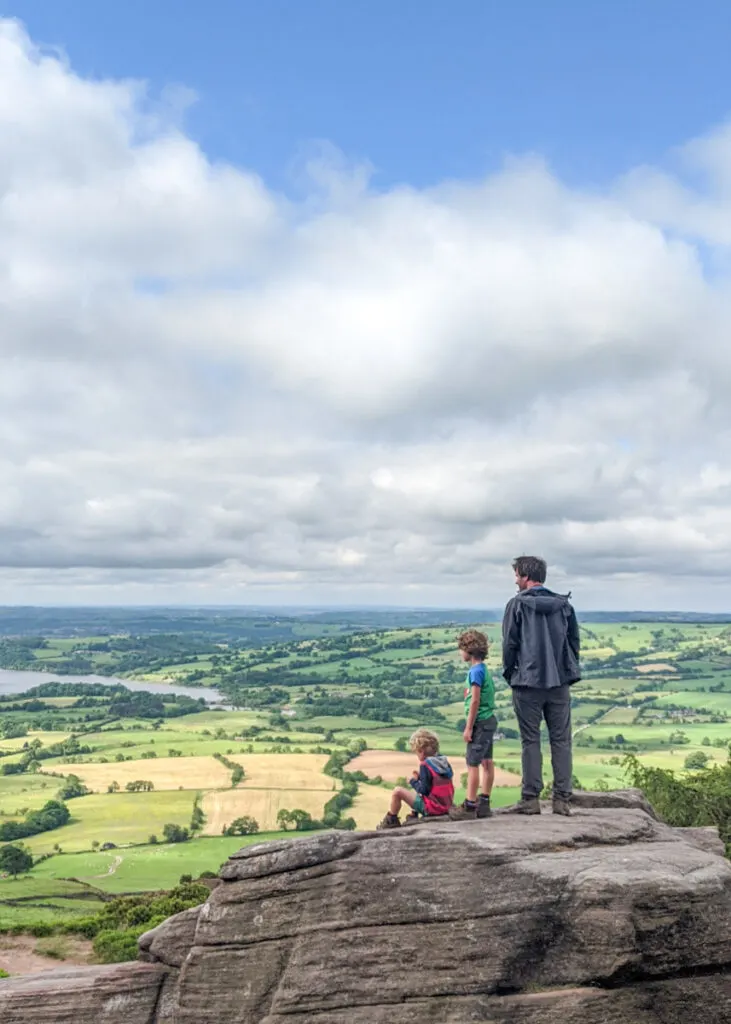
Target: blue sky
x: 423, y: 89
x: 223, y: 380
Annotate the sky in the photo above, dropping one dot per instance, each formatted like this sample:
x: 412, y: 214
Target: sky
x: 345, y: 304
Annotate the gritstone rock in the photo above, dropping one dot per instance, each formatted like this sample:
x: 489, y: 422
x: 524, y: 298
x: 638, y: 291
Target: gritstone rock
x: 607, y: 917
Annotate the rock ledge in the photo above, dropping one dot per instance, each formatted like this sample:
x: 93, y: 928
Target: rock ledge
x: 607, y: 917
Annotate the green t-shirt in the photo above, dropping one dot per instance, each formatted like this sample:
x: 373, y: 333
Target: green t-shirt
x: 479, y: 676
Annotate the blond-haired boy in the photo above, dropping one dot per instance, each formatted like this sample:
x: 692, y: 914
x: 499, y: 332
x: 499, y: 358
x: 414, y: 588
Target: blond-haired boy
x: 432, y: 790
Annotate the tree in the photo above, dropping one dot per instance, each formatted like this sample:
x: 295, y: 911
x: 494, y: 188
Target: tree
x: 244, y: 826
x: 175, y: 833
x: 72, y: 788
x: 697, y: 761
x: 113, y: 787
x: 15, y: 860
x: 401, y: 744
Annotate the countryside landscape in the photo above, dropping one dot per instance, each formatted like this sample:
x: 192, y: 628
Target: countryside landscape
x: 244, y: 727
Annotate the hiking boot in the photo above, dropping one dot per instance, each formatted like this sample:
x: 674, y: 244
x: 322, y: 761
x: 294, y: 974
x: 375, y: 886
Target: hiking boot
x: 529, y: 806
x: 411, y: 819
x: 561, y: 806
x: 483, y: 807
x: 463, y: 813
x: 390, y: 821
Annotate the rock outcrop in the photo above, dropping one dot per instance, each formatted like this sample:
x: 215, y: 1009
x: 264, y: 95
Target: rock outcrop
x: 607, y: 917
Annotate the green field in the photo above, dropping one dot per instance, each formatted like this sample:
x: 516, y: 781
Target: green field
x: 659, y: 690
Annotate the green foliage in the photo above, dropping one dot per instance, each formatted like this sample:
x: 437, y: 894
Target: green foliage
x: 244, y: 826
x: 52, y: 815
x: 696, y: 761
x: 703, y: 798
x: 3, y: 974
x: 401, y: 744
x: 116, y: 928
x: 73, y: 787
x: 237, y: 771
x: 15, y: 859
x: 139, y: 786
x: 301, y: 821
x: 175, y: 833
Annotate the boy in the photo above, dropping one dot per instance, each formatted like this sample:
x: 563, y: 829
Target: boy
x: 479, y: 732
x: 433, y: 789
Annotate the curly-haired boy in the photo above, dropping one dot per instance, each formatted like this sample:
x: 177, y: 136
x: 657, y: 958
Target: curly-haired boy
x: 432, y: 789
x: 479, y: 732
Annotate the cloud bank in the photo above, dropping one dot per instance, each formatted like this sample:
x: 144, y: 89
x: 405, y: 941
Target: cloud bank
x: 210, y: 392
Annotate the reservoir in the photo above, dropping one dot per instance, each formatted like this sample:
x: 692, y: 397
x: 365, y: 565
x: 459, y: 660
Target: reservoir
x: 12, y: 681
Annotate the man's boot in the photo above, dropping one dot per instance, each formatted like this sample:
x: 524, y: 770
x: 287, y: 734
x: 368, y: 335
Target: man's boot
x: 562, y: 806
x: 529, y: 805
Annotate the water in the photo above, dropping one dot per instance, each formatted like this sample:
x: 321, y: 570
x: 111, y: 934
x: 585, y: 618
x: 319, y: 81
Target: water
x: 12, y: 681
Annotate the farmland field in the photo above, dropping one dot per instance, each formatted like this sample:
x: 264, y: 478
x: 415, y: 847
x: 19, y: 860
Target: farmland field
x: 302, y: 700
x: 392, y: 765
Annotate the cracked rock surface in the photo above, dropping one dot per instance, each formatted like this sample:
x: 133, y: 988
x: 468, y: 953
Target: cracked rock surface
x: 607, y: 916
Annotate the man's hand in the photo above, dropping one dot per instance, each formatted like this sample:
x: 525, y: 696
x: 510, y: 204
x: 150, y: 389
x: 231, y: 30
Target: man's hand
x: 467, y: 735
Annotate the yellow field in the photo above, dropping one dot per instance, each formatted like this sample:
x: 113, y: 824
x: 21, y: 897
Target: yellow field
x: 220, y: 808
x: 163, y: 772
x: 369, y: 806
x: 46, y: 739
x: 285, y: 771
x: 392, y: 765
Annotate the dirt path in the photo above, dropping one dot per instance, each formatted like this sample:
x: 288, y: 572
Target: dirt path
x: 112, y: 868
x: 18, y: 955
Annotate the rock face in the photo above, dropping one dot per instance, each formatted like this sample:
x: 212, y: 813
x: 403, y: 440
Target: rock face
x: 607, y: 917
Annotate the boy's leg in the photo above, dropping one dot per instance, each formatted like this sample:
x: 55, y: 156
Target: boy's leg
x: 473, y: 782
x: 488, y: 776
x: 401, y: 796
x: 398, y: 797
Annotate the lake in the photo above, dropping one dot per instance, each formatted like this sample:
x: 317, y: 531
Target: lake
x: 18, y: 682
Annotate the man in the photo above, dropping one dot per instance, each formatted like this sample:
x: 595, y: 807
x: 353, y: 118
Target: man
x: 540, y: 662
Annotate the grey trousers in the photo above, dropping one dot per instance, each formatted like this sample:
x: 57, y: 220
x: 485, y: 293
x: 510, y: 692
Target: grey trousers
x: 531, y: 707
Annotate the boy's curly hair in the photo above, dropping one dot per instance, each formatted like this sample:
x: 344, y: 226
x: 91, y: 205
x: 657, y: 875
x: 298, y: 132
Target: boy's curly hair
x: 474, y: 642
x: 424, y: 742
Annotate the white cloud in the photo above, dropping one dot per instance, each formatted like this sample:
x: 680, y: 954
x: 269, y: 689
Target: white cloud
x: 211, y: 392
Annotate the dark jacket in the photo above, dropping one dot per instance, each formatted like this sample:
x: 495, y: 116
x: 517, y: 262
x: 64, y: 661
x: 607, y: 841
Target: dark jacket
x: 540, y: 640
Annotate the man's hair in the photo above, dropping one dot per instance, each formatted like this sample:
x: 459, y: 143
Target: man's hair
x: 424, y: 742
x: 474, y: 642
x: 532, y: 568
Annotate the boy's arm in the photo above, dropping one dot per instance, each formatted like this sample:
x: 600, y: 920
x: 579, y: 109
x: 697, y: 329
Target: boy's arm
x: 423, y: 783
x: 472, y: 714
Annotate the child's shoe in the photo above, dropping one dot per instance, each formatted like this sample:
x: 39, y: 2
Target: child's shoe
x: 390, y: 821
x: 483, y: 807
x: 411, y: 819
x: 463, y: 812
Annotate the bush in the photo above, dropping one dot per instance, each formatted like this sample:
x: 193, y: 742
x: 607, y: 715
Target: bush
x: 175, y: 833
x: 15, y: 860
x: 696, y: 761
x: 703, y: 798
x: 52, y: 815
x: 244, y: 826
